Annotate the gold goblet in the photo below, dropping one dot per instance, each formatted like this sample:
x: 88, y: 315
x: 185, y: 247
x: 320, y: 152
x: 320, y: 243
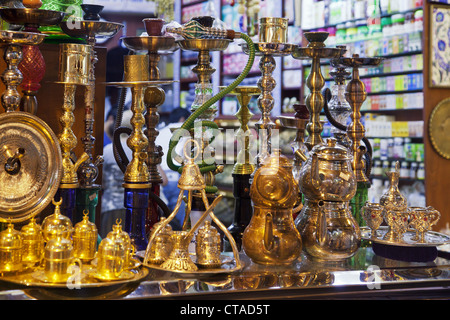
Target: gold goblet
x: 422, y: 219
x: 373, y: 215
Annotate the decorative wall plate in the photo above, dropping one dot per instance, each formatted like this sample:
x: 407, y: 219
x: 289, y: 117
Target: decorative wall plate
x: 30, y: 166
x: 439, y: 128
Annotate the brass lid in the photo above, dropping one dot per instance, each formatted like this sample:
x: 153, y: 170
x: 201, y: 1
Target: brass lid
x: 331, y: 150
x: 32, y: 231
x: 166, y: 230
x: 58, y: 248
x: 57, y: 224
x: 10, y: 238
x: 85, y: 228
x: 208, y: 234
x: 119, y: 236
x: 34, y: 149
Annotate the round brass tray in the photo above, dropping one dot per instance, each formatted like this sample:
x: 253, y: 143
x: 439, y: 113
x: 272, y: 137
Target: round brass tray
x: 268, y: 48
x: 88, y: 287
x: 128, y: 84
x: 26, y: 193
x: 439, y: 127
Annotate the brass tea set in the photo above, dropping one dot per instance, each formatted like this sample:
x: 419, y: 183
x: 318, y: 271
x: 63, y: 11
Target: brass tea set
x: 394, y: 211
x: 53, y: 252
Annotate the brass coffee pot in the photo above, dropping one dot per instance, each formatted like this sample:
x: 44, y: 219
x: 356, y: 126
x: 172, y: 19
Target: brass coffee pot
x: 271, y: 237
x: 11, y: 249
x: 57, y: 224
x: 329, y: 231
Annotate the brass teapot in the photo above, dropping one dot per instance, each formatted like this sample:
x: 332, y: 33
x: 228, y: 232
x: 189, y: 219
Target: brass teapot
x: 271, y: 237
x: 329, y: 231
x: 327, y: 174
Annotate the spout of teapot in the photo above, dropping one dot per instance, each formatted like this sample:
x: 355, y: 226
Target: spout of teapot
x: 299, y: 155
x: 321, y: 233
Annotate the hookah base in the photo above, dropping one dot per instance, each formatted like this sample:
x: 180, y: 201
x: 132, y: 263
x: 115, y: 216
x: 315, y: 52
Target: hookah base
x: 407, y: 254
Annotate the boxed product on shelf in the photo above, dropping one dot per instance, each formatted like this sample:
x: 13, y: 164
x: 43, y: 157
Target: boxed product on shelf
x: 292, y: 79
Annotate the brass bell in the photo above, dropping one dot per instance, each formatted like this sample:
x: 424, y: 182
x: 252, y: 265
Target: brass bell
x: 120, y: 236
x: 33, y: 242
x: 57, y: 224
x: 11, y: 246
x: 85, y: 239
x: 207, y: 247
x: 162, y: 245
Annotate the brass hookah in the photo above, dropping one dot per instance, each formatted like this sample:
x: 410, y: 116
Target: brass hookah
x: 356, y: 94
x: 204, y: 90
x: 90, y: 29
x: 74, y: 71
x: 155, y: 45
x: 244, y: 168
x: 32, y: 65
x: 272, y: 43
x: 136, y: 174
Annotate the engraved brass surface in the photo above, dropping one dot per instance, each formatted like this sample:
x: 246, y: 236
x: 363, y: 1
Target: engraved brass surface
x: 34, y: 178
x: 439, y: 128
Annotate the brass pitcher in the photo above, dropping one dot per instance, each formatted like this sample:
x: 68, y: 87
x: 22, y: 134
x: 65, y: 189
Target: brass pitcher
x: 271, y: 237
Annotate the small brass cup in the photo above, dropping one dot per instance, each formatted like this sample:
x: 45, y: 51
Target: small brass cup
x: 111, y: 259
x: 57, y: 260
x: 273, y: 30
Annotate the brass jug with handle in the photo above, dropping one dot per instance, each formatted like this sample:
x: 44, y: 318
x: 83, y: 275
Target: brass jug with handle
x: 271, y: 237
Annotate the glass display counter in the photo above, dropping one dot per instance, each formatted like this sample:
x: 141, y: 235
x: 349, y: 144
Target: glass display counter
x: 365, y: 276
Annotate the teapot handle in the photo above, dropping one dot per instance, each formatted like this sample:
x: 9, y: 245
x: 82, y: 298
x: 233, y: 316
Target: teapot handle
x: 321, y: 232
x: 268, y: 232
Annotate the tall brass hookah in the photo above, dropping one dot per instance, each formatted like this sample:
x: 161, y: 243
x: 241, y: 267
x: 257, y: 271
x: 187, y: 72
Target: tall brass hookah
x: 355, y: 95
x: 201, y: 36
x: 89, y: 29
x: 155, y: 44
x: 327, y: 181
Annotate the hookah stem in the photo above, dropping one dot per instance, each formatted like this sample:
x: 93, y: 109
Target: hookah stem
x: 189, y: 123
x: 327, y: 95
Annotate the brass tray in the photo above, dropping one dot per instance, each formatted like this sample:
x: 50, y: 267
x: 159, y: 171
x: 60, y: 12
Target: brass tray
x: 439, y: 127
x: 85, y: 280
x: 273, y: 49
x: 26, y: 193
x: 432, y: 238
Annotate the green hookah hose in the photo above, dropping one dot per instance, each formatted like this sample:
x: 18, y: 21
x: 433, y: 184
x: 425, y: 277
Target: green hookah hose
x: 189, y: 123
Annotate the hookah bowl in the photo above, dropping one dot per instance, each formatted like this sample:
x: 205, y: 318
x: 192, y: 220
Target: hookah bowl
x: 272, y: 43
x: 154, y: 96
x: 32, y: 65
x: 90, y: 30
x: 243, y: 168
x: 315, y: 101
x: 356, y: 95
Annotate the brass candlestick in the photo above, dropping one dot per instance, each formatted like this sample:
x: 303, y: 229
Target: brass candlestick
x: 356, y: 95
x: 12, y: 77
x: 316, y: 51
x: 273, y: 43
